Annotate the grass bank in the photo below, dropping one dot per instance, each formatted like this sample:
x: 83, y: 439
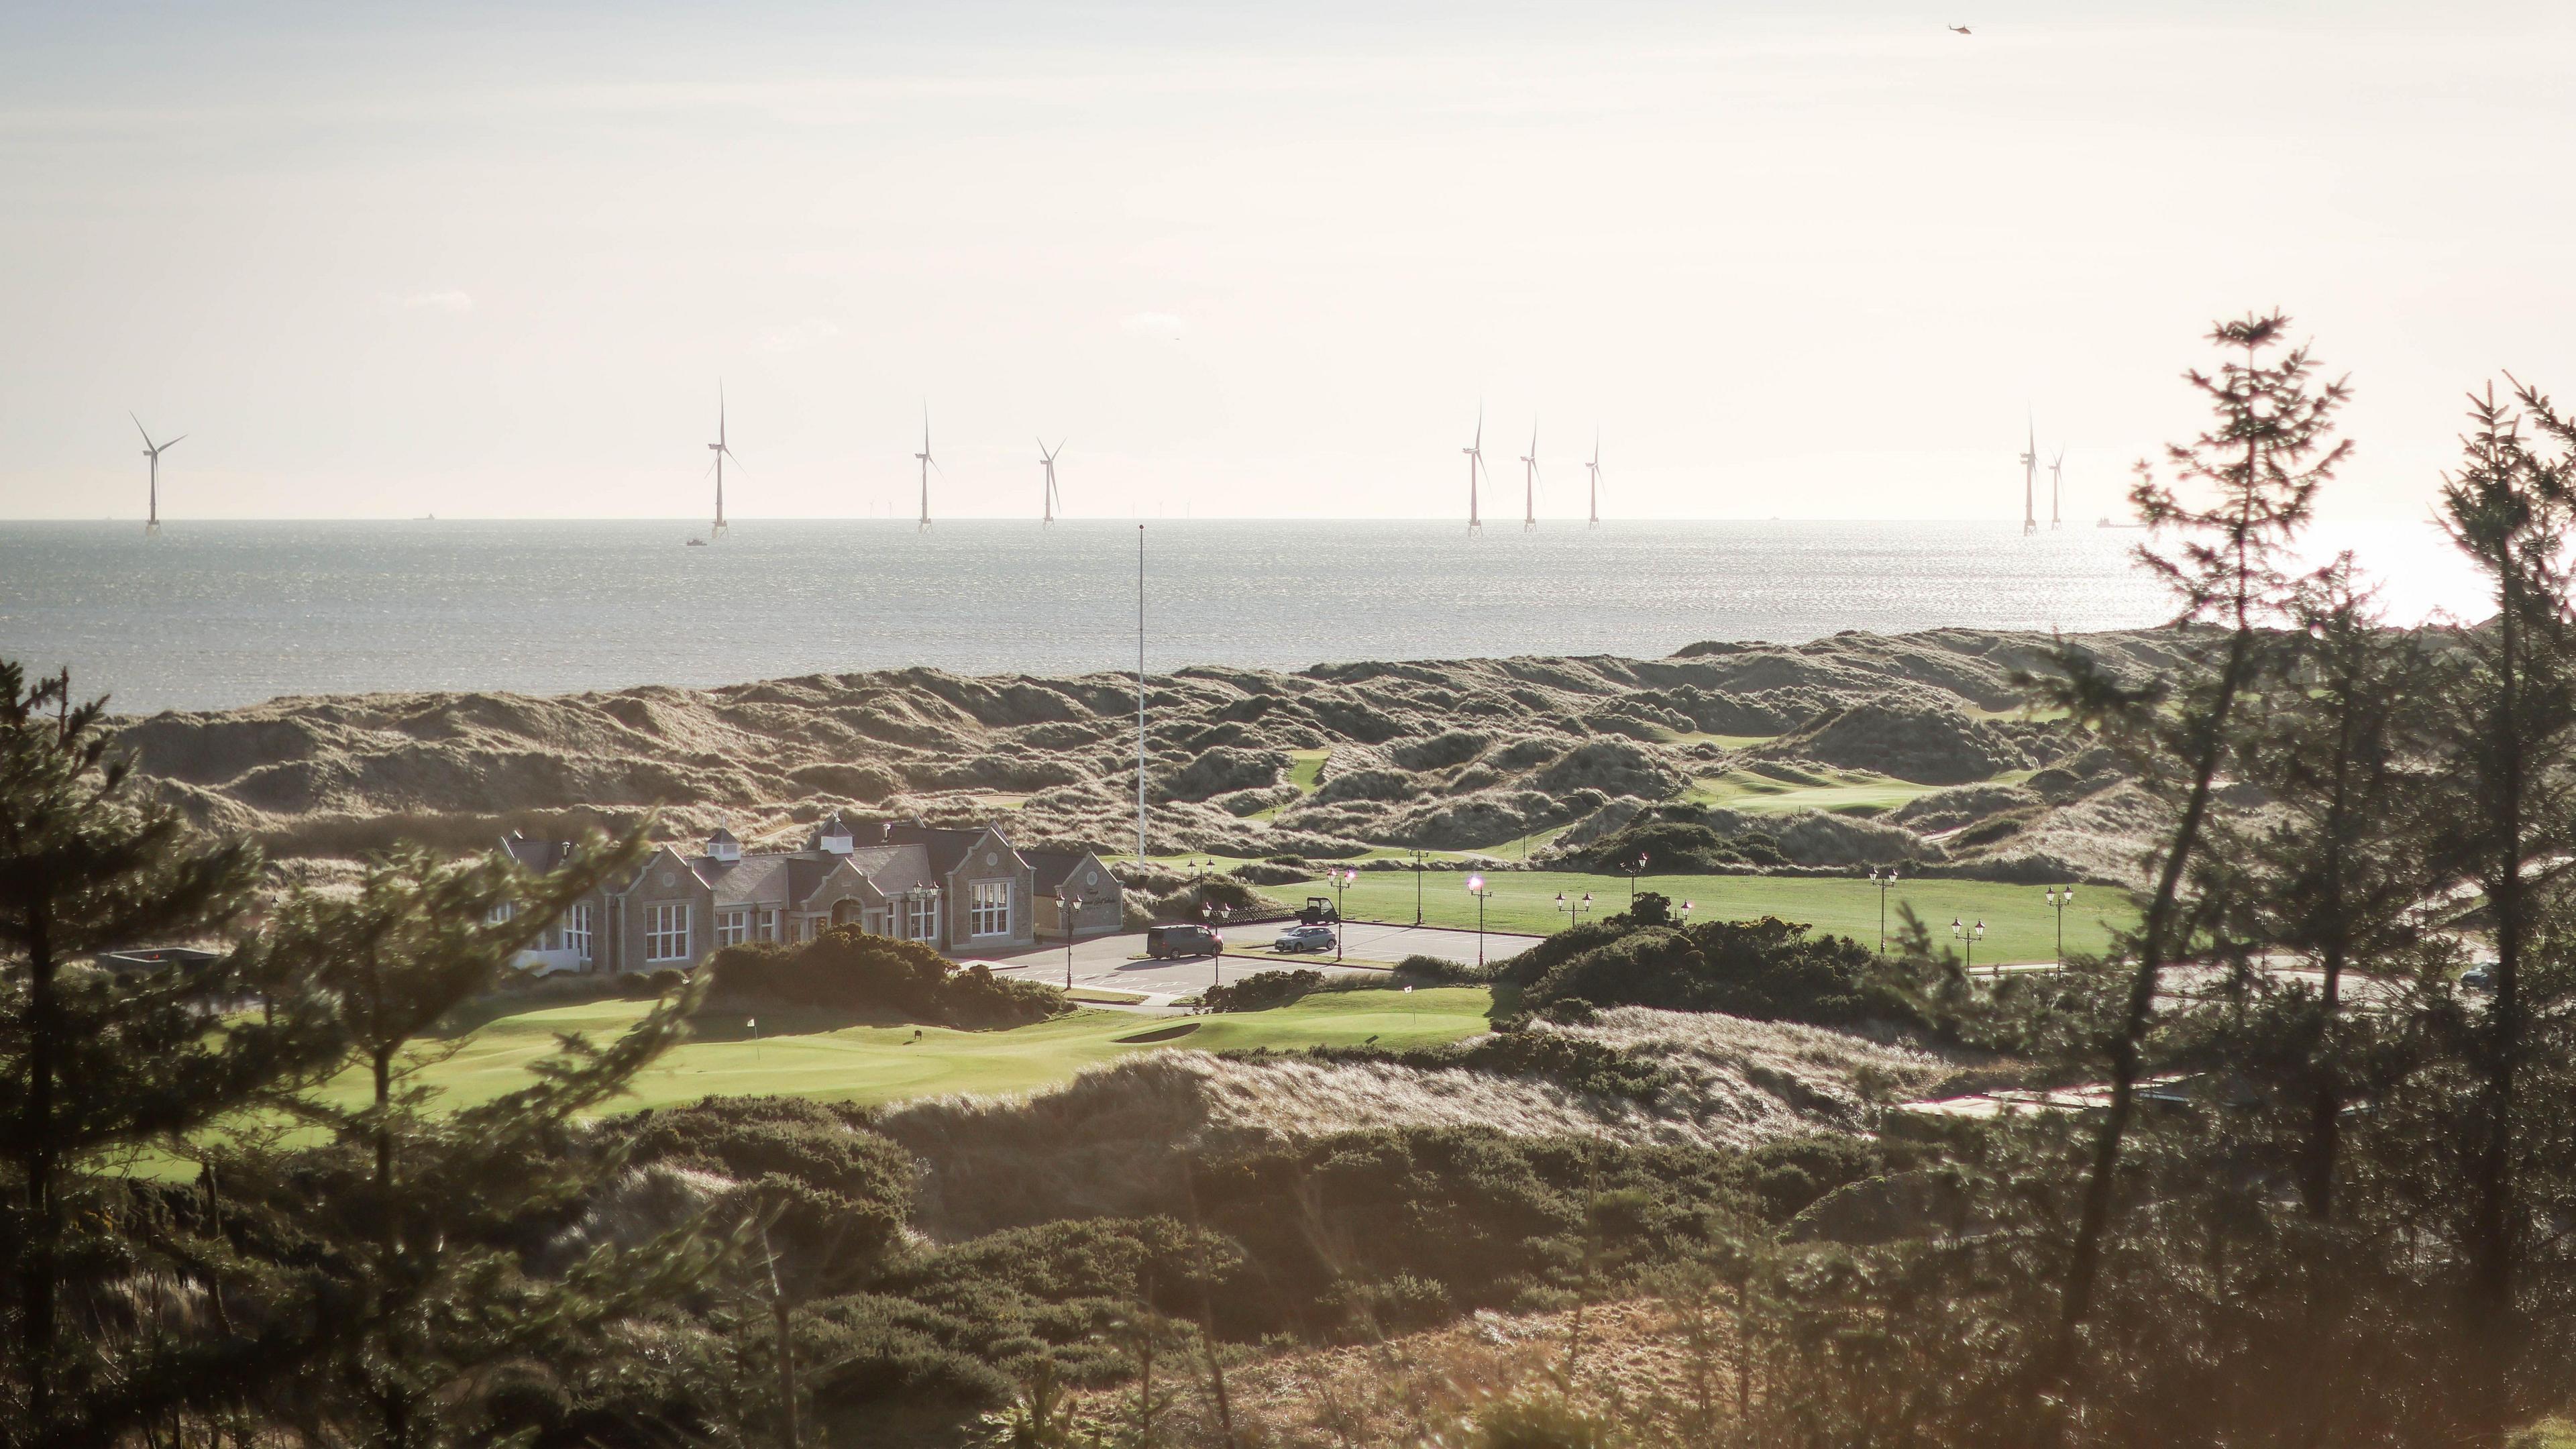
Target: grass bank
x: 836, y: 1061
x: 2020, y: 927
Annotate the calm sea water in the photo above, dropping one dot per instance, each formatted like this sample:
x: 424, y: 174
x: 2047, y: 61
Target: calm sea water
x: 214, y: 614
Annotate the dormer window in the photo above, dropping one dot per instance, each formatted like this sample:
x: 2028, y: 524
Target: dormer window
x: 722, y: 846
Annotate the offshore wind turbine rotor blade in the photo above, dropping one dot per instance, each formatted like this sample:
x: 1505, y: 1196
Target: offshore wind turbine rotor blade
x: 148, y: 444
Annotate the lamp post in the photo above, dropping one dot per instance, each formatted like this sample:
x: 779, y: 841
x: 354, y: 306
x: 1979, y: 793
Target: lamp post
x: 1476, y: 888
x: 1574, y: 910
x: 1686, y: 910
x: 1216, y: 962
x: 1634, y: 869
x: 1417, y: 888
x: 2059, y: 898
x: 1064, y: 917
x: 1885, y: 881
x: 1341, y: 879
x: 1969, y: 934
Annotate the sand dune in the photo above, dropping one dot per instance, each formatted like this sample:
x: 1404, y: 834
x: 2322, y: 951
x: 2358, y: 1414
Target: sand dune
x: 1452, y: 754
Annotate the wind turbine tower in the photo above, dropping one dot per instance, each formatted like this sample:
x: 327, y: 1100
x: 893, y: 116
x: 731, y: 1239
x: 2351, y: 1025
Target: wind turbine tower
x: 2056, y: 482
x: 722, y: 451
x: 1475, y: 468
x: 926, y: 465
x: 1529, y: 483
x: 1051, y: 498
x: 153, y: 451
x: 2030, y: 484
x: 1594, y: 468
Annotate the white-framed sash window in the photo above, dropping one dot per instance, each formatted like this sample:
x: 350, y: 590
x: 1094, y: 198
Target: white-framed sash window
x: 577, y: 930
x: 988, y: 909
x: 666, y: 932
x: 733, y: 927
x: 500, y: 914
x: 921, y: 917
x: 768, y: 929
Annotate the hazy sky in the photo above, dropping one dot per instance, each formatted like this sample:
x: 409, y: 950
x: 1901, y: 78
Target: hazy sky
x: 1802, y: 260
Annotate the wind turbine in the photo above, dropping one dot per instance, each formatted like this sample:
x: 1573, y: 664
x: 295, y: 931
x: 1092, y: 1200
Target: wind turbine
x: 1529, y: 483
x: 153, y: 451
x: 2056, y: 478
x: 1475, y: 466
x: 1051, y: 498
x: 722, y: 451
x: 2030, y: 484
x: 927, y: 463
x: 1594, y: 468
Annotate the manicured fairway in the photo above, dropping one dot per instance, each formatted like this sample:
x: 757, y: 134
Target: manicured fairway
x: 887, y: 1063
x: 2019, y: 925
x: 1755, y: 793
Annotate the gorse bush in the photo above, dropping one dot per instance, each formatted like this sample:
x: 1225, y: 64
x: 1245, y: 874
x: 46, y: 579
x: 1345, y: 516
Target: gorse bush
x: 1577, y: 1064
x: 848, y: 970
x: 1261, y: 990
x: 1674, y: 843
x: 833, y: 1194
x: 1768, y: 970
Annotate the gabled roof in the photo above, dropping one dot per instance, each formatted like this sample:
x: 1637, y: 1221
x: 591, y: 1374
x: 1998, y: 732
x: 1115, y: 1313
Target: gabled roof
x: 752, y: 880
x: 537, y: 855
x: 888, y: 869
x: 1053, y: 867
x: 947, y: 847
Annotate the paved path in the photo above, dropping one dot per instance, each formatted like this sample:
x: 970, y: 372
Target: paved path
x: 1117, y: 963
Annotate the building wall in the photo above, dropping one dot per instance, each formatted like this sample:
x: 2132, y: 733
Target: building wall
x: 958, y: 900
x: 667, y: 880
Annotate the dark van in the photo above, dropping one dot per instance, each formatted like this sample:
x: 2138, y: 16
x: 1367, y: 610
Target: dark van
x: 1165, y: 942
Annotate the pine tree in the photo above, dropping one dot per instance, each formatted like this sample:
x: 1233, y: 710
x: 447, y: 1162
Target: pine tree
x: 436, y: 1206
x: 2511, y: 509
x: 2270, y: 450
x: 96, y: 1067
x: 2334, y: 871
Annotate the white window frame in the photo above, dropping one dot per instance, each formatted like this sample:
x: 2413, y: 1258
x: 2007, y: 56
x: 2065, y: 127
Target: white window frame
x: 765, y: 928
x: 733, y: 926
x: 921, y: 917
x: 988, y: 908
x: 577, y: 930
x: 500, y: 914
x: 666, y: 924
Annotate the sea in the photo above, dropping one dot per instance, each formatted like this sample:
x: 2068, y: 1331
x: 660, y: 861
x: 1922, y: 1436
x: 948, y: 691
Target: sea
x: 215, y: 614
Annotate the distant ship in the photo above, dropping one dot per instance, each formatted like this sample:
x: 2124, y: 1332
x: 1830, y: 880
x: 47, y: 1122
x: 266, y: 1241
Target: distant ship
x: 2106, y: 523
x: 697, y: 543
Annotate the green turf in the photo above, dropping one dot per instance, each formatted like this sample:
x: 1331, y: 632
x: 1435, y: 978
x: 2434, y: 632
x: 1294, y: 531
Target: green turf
x: 1306, y: 772
x: 1723, y: 742
x: 2019, y: 923
x: 873, y: 1064
x: 1849, y: 791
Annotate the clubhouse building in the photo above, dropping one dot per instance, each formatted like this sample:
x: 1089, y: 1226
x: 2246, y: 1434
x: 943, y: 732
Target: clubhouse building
x: 962, y: 892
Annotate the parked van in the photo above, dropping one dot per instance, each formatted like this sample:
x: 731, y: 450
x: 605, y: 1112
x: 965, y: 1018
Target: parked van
x: 1166, y: 942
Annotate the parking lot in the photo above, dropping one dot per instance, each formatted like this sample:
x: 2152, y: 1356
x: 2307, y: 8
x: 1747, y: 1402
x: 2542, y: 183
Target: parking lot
x: 1118, y: 963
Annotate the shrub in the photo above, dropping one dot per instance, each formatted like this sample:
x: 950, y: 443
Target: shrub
x: 846, y: 969
x: 1768, y: 970
x: 1576, y: 1063
x: 1261, y: 991
x: 1673, y: 845
x: 1439, y: 971
x: 838, y: 1190
x: 1262, y: 873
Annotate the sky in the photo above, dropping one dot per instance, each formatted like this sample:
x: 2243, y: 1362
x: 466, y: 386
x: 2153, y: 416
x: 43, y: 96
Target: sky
x: 1818, y: 260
